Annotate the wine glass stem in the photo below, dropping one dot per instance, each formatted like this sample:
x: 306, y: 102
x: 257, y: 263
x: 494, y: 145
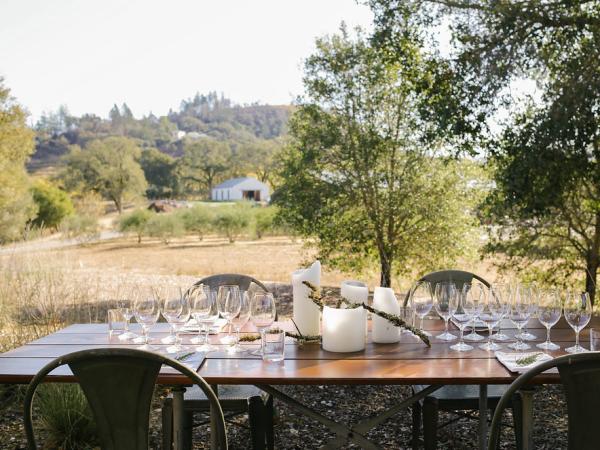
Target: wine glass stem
x: 460, y: 342
x: 262, y: 340
x: 421, y: 323
x: 490, y: 330
x: 518, y: 337
x: 447, y: 318
x: 547, y: 335
x: 145, y: 333
x: 207, y: 328
x: 577, y: 339
x: 126, y: 325
x: 237, y: 335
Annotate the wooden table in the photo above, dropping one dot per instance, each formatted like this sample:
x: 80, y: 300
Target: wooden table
x: 408, y: 362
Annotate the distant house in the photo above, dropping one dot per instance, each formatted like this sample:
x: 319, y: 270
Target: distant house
x: 241, y: 189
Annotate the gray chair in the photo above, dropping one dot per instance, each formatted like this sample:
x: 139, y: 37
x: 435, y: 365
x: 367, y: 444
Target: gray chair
x: 580, y: 375
x: 455, y: 399
x: 234, y: 399
x: 118, y: 384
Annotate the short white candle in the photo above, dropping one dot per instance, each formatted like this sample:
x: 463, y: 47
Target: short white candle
x: 306, y: 314
x: 355, y: 291
x: 383, y: 331
x: 342, y: 329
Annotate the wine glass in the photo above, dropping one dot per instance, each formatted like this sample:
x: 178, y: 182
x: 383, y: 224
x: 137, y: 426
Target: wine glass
x: 239, y: 321
x: 504, y: 294
x: 172, y: 309
x: 578, y: 312
x: 467, y: 303
x: 534, y: 292
x: 519, y: 314
x: 229, y: 304
x: 482, y: 291
x: 445, y: 303
x: 125, y: 304
x: 146, y: 311
x: 549, y: 311
x: 422, y: 301
x: 179, y: 321
x: 494, y: 310
x: 262, y: 314
x: 205, y: 312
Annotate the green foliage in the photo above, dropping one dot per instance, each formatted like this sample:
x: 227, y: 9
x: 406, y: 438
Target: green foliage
x: 232, y: 221
x: 197, y: 220
x: 135, y: 222
x: 361, y: 174
x: 16, y: 144
x: 161, y: 173
x: 79, y: 225
x: 109, y: 167
x: 66, y: 417
x: 203, y: 161
x: 53, y: 204
x: 264, y: 221
x: 165, y: 227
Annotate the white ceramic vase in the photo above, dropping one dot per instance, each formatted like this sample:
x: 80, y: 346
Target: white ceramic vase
x: 306, y: 314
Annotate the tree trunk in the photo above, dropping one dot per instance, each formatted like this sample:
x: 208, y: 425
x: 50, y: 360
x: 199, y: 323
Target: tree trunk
x: 386, y: 271
x: 592, y: 262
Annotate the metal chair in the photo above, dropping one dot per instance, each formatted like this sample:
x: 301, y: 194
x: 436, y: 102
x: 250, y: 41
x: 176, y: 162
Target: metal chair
x: 454, y: 398
x: 580, y: 375
x: 118, y: 384
x: 234, y: 399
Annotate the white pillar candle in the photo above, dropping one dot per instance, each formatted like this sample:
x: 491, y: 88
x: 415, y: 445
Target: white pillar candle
x: 305, y: 312
x: 355, y: 291
x: 383, y: 331
x: 342, y: 329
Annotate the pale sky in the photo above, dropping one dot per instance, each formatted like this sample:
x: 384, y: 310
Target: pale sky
x: 152, y: 54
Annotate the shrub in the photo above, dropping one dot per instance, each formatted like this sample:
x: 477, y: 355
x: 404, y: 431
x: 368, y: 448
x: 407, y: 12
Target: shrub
x: 53, y: 204
x: 79, y: 225
x: 135, y: 222
x: 232, y: 221
x: 196, y: 220
x: 165, y: 227
x: 66, y: 417
x: 264, y: 221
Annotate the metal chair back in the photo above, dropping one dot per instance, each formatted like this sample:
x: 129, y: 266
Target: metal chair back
x: 458, y: 277
x: 243, y: 281
x: 118, y: 384
x: 580, y: 375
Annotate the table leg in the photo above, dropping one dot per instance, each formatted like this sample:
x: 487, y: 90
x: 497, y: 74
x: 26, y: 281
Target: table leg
x: 527, y: 405
x: 483, y: 416
x: 178, y: 417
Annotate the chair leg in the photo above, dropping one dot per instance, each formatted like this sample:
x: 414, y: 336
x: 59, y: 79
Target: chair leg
x: 257, y: 419
x: 517, y: 411
x: 270, y: 416
x: 167, y: 425
x: 430, y: 422
x: 416, y: 424
x: 188, y: 427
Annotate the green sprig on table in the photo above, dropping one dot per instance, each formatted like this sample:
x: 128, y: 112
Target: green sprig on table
x: 318, y: 299
x: 526, y: 360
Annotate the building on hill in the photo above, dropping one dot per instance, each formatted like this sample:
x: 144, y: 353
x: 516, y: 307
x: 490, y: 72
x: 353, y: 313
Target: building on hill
x: 244, y: 188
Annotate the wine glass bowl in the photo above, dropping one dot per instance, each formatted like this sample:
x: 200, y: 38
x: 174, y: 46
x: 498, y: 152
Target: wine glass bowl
x: 549, y: 312
x: 146, y: 311
x: 262, y: 313
x: 229, y: 304
x: 578, y: 312
x: 421, y: 298
x: 445, y: 302
x: 205, y: 312
x: 520, y: 313
x: 494, y: 310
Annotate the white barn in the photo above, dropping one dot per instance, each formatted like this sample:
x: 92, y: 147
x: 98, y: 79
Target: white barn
x: 245, y: 188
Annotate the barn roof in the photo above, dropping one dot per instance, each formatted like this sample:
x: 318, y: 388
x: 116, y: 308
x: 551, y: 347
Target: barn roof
x: 234, y: 182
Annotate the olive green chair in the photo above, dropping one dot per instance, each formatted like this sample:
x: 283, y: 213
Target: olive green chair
x: 118, y: 384
x: 580, y: 376
x: 456, y: 399
x: 234, y: 399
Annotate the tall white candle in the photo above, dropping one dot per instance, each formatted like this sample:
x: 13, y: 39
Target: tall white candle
x: 342, y: 329
x: 383, y: 331
x: 305, y: 312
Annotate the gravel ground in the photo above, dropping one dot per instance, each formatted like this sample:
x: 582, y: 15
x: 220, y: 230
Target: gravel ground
x: 346, y: 404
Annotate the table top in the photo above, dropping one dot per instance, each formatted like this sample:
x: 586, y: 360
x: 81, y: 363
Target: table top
x: 406, y: 362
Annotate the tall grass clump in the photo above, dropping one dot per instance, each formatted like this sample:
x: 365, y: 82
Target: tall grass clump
x: 65, y: 417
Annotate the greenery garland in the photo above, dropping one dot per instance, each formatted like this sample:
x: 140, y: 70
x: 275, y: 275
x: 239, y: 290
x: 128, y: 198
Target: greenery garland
x: 318, y: 299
